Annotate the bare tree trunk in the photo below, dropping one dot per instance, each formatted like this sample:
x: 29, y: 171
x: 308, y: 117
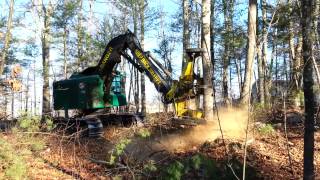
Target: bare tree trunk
x: 27, y: 91
x: 26, y: 108
x: 47, y: 12
x: 315, y: 22
x: 316, y: 37
x: 7, y: 38
x: 238, y: 69
x: 309, y: 87
x: 6, y: 104
x: 20, y: 101
x: 269, y: 71
x: 12, y: 103
x: 260, y: 58
x: 277, y: 67
x: 212, y: 42
x: 292, y: 53
x: 136, y: 90
x: 65, y: 64
x: 186, y: 31
x: 34, y: 88
x: 285, y: 65
x: 79, y: 34
x: 143, y: 86
x: 260, y: 76
x: 6, y: 100
x: 252, y: 25
x: 136, y: 73
x: 212, y: 32
x: 91, y: 23
x: 130, y: 87
x: 207, y: 64
x: 225, y: 78
x: 266, y: 93
x: 198, y: 29
x: 298, y: 61
x: 228, y: 14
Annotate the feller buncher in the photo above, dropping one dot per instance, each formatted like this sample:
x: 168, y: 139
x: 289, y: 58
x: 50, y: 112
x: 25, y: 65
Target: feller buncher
x: 96, y: 89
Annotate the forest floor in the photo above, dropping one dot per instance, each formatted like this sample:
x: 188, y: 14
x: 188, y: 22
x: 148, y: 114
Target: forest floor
x: 158, y: 150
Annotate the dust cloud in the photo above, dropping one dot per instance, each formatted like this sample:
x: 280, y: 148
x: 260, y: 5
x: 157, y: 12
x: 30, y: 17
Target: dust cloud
x: 233, y: 124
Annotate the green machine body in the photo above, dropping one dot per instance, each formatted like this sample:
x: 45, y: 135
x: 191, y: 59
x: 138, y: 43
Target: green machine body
x: 87, y: 92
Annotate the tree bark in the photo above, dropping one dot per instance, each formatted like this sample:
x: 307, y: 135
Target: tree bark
x: 252, y: 25
x: 212, y: 42
x: 7, y: 38
x: 136, y: 73
x: 292, y: 53
x: 285, y: 65
x: 186, y: 31
x: 34, y: 88
x: 309, y: 87
x: 143, y: 86
x: 212, y: 32
x: 262, y: 56
x: 12, y: 103
x: 260, y: 75
x: 228, y: 14
x: 65, y: 63
x: 266, y: 93
x: 315, y: 21
x: 79, y: 34
x: 238, y: 69
x: 27, y: 92
x: 298, y: 61
x: 45, y: 40
x: 207, y: 65
x: 6, y: 100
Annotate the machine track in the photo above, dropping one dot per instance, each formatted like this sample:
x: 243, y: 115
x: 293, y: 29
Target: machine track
x: 95, y: 127
x: 96, y: 121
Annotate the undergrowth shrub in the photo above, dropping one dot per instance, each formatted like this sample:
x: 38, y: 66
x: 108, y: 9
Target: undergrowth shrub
x: 266, y: 129
x: 12, y: 164
x: 17, y: 169
x: 33, y: 142
x: 299, y: 98
x: 24, y: 142
x: 260, y: 111
x: 48, y: 123
x: 175, y: 171
x: 150, y: 166
x: 198, y: 166
x: 144, y: 133
x: 28, y: 122
x: 32, y: 123
x: 118, y: 150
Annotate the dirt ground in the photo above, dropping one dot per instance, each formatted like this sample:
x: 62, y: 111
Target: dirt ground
x: 159, y: 143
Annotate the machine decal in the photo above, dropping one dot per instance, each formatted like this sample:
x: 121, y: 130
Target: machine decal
x: 107, y: 56
x: 146, y: 64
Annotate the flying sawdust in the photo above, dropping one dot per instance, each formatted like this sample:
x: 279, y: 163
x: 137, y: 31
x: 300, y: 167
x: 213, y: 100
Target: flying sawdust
x: 233, y: 124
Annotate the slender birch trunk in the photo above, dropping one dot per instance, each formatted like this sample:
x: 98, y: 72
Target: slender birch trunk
x: 252, y: 26
x: 207, y: 64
